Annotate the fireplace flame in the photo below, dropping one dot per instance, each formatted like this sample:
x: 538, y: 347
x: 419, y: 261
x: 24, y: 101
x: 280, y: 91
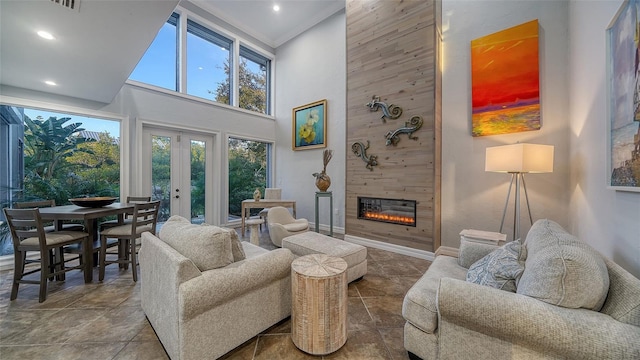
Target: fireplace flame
x: 390, y: 218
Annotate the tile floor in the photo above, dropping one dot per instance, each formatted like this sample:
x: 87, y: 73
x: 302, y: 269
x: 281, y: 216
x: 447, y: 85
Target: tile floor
x: 104, y: 320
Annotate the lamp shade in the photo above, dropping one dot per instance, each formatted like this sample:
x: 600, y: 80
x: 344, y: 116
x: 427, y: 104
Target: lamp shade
x: 520, y: 158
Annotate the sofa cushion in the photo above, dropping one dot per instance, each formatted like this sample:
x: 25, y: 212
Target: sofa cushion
x: 562, y: 270
x: 501, y: 268
x: 209, y: 247
x: 236, y: 246
x: 296, y: 226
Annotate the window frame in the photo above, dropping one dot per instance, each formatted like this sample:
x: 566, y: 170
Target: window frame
x: 186, y: 16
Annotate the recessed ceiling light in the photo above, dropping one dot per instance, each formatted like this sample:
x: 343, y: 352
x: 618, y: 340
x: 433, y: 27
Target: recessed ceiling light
x: 276, y: 8
x: 45, y: 35
x: 49, y: 82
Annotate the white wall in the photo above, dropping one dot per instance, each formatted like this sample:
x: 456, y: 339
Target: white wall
x: 312, y: 67
x: 608, y: 220
x: 471, y: 197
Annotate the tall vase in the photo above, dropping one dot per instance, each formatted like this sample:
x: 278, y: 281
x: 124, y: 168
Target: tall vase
x: 323, y: 181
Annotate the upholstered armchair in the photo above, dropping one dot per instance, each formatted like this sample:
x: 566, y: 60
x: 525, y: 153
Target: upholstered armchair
x: 282, y: 224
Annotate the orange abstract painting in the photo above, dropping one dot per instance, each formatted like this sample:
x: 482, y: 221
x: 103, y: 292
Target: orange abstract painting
x: 505, y: 82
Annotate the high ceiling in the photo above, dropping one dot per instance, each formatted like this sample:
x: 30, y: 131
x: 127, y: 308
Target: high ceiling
x: 98, y: 44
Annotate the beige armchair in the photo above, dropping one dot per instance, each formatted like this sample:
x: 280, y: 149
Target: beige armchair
x: 282, y: 224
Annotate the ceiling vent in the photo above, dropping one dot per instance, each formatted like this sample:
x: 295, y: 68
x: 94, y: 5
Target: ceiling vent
x: 69, y: 4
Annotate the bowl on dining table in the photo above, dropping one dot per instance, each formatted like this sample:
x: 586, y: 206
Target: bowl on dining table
x: 93, y: 202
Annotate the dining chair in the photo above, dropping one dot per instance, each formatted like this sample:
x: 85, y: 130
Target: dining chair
x: 145, y: 218
x: 269, y: 194
x: 47, y: 203
x: 127, y: 218
x: 28, y: 234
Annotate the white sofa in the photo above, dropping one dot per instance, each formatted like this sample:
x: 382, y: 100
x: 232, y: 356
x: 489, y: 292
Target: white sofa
x: 203, y: 314
x: 570, y: 303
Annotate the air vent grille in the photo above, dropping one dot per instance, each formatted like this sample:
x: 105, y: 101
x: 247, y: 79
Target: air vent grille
x: 69, y: 4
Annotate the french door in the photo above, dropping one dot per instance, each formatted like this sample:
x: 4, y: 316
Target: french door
x: 178, y: 168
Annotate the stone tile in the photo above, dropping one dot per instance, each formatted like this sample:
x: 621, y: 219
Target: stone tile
x: 278, y: 347
x: 372, y: 285
x: 105, y: 296
x: 399, y: 267
x: 358, y: 317
x: 143, y: 350
x: 242, y: 352
x: 55, y: 299
x: 385, y: 311
x: 283, y: 327
x: 394, y: 339
x: 382, y: 255
x: 373, y: 269
x: 18, y: 322
x: 120, y: 324
x: 62, y: 351
x: 352, y: 289
x: 362, y: 345
x: 146, y: 334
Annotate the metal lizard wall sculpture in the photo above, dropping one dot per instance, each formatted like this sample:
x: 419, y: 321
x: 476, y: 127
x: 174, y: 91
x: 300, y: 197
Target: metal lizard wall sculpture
x: 409, y: 128
x: 388, y: 111
x: 361, y: 150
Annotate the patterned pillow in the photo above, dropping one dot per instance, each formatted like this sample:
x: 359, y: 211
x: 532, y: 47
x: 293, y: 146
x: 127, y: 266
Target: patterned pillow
x: 500, y: 269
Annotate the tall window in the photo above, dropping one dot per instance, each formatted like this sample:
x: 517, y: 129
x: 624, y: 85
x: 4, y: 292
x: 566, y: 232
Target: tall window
x: 57, y: 156
x: 253, y: 83
x: 159, y: 64
x: 208, y: 64
x: 249, y: 164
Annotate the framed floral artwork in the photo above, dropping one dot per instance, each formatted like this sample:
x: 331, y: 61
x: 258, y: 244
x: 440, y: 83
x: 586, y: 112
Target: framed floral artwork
x: 309, y: 128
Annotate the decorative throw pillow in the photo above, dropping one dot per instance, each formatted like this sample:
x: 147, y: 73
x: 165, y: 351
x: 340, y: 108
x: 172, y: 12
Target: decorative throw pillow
x: 562, y: 270
x: 209, y: 247
x: 236, y: 246
x: 501, y: 268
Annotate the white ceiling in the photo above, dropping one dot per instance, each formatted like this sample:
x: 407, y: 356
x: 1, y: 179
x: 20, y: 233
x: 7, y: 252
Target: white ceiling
x: 99, y: 44
x: 258, y: 19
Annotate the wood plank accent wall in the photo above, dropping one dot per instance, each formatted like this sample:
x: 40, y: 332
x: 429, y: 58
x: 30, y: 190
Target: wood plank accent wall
x: 393, y: 51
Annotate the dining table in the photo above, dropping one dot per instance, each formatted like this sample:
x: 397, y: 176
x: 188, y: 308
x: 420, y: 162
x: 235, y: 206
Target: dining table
x: 90, y: 216
x: 264, y: 203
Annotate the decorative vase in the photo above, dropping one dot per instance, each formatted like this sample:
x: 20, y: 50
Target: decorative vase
x: 323, y: 181
x: 257, y: 195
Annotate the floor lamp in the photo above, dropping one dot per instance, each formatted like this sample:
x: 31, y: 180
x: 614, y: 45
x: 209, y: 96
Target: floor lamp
x: 517, y: 160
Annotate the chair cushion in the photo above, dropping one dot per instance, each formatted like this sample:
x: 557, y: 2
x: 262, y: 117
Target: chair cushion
x: 501, y: 268
x: 562, y: 270
x: 209, y: 247
x: 57, y: 237
x: 125, y: 230
x: 296, y: 226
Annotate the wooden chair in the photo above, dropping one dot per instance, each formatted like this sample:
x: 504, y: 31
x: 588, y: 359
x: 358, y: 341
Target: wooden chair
x: 28, y: 234
x: 127, y: 219
x: 47, y: 203
x: 145, y: 218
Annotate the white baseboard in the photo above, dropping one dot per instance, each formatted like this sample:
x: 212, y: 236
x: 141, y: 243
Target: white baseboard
x: 398, y: 249
x: 448, y: 251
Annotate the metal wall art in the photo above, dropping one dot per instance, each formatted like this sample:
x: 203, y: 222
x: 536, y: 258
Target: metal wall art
x: 388, y: 111
x: 409, y: 128
x: 361, y: 150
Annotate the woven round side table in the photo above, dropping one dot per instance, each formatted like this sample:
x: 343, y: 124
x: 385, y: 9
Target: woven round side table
x: 319, y: 303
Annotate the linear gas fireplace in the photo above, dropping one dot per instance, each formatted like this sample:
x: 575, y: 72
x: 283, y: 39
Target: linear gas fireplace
x: 401, y: 212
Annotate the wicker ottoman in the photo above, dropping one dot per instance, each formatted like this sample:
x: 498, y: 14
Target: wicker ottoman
x: 313, y: 243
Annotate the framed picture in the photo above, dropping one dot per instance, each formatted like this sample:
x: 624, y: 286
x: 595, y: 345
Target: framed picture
x: 505, y: 81
x: 309, y: 128
x: 623, y: 76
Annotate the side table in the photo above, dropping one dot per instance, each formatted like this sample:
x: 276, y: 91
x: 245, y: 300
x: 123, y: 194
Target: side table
x: 253, y: 227
x: 319, y: 303
x: 328, y: 194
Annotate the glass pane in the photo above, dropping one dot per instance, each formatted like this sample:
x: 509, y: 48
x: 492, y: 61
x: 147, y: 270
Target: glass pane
x: 198, y: 181
x: 247, y: 171
x: 253, y: 85
x: 158, y: 66
x: 161, y: 174
x: 207, y: 69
